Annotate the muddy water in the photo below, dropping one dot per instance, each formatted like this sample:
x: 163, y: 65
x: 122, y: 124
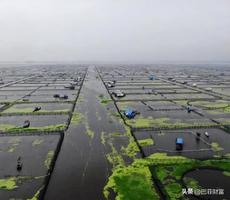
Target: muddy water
x: 81, y: 170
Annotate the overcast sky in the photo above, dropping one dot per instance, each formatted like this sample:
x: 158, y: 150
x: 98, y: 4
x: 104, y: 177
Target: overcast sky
x: 115, y: 30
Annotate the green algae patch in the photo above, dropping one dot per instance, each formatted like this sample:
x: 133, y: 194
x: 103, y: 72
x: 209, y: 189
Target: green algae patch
x: 8, y: 183
x: 212, y: 105
x: 115, y: 158
x: 116, y: 134
x: 141, y: 122
x: 12, y: 183
x: 14, y: 143
x: 18, y: 110
x: 170, y: 172
x: 227, y: 109
x: 226, y: 173
x: 22, y: 111
x: 223, y: 121
x: 49, y: 158
x: 76, y: 118
x: 126, y: 104
x: 103, y: 138
x: 191, y: 183
x: 104, y: 100
x: 16, y: 129
x: 174, y: 190
x: 165, y: 123
x: 114, y: 114
x: 131, y: 183
x: 37, y: 142
x: 132, y: 148
x: 182, y: 102
x: 216, y: 147
x: 149, y: 122
x: 138, y: 172
x: 135, y: 180
x: 89, y: 132
x: 36, y: 195
x: 145, y: 142
x: 5, y: 127
x: 163, y: 158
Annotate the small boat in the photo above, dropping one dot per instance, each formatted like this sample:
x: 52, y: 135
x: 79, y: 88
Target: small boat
x: 37, y: 108
x: 56, y: 95
x: 70, y: 86
x: 19, y: 164
x: 130, y: 113
x: 206, y: 134
x: 63, y: 96
x: 179, y: 143
x: 198, y: 136
x: 26, y: 124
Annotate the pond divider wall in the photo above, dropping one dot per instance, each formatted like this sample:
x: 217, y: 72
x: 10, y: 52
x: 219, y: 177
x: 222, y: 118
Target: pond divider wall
x: 52, y: 165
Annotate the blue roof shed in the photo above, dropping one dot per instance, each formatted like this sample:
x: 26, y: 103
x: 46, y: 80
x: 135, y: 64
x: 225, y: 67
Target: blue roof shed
x: 151, y: 77
x: 180, y: 141
x: 129, y: 113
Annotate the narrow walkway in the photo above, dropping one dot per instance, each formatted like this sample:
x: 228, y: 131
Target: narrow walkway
x: 81, y: 170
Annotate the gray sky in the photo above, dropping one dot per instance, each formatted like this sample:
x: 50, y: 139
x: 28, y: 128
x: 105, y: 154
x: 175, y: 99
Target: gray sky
x: 115, y: 30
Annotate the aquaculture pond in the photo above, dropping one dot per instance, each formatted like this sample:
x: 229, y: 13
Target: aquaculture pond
x: 169, y: 119
x: 50, y: 97
x: 40, y: 122
x: 35, y: 153
x: 217, y: 144
x: 215, y: 182
x: 163, y: 105
x: 103, y: 154
x: 45, y: 108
